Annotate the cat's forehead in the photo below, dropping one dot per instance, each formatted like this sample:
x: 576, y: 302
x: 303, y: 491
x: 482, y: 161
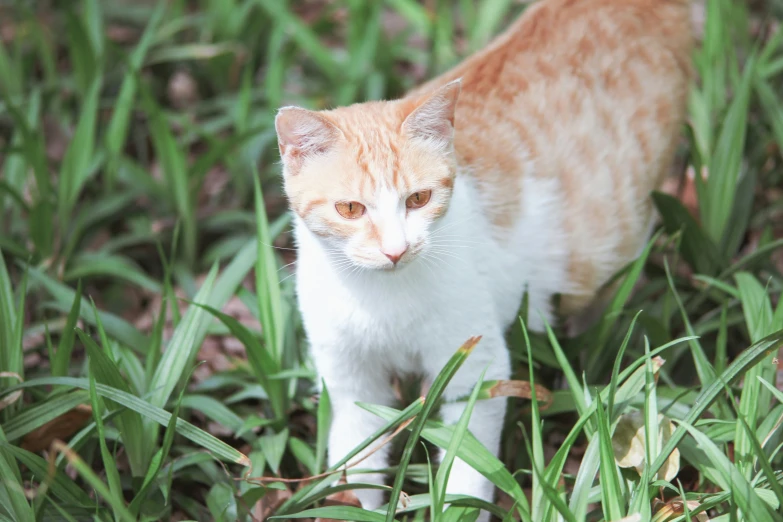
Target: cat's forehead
x: 382, y: 115
x: 373, y: 127
x: 374, y: 143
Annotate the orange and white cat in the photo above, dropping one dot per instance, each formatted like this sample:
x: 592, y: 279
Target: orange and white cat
x: 421, y: 221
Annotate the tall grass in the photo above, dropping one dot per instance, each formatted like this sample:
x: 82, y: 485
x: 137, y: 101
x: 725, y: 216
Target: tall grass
x: 140, y: 208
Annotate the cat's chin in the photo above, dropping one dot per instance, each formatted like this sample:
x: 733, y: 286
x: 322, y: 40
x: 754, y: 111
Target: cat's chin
x: 368, y: 266
x: 390, y: 269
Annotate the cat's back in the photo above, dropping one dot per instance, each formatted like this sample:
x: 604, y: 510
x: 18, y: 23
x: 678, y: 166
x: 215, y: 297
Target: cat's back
x: 590, y: 94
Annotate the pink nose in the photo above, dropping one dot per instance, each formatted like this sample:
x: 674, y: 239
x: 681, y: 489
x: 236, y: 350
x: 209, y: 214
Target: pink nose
x: 394, y: 257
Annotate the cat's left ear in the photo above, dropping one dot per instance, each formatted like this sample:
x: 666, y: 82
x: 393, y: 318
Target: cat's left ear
x: 432, y: 121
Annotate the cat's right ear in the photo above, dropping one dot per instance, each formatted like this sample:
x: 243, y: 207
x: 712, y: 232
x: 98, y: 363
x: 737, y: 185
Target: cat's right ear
x: 432, y: 121
x: 302, y: 133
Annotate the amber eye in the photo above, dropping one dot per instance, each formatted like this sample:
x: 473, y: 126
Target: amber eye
x: 418, y: 199
x: 350, y: 209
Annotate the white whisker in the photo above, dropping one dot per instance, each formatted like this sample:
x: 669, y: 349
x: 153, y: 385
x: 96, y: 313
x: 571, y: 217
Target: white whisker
x: 445, y: 245
x: 451, y: 255
x: 426, y: 262
x: 286, y: 278
x: 286, y: 266
x: 442, y: 260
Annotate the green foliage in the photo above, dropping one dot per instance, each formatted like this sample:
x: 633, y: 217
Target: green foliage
x: 140, y: 188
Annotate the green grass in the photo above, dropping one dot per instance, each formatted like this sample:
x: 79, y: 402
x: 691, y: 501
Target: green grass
x: 139, y: 166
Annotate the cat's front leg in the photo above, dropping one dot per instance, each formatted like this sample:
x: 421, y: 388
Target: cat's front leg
x: 350, y: 379
x: 486, y: 420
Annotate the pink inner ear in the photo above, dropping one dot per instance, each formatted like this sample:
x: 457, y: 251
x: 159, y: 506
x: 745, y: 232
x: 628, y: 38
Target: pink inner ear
x: 301, y: 132
x: 433, y: 120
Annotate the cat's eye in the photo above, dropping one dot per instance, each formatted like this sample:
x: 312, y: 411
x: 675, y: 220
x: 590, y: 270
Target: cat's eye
x: 350, y: 209
x: 418, y: 199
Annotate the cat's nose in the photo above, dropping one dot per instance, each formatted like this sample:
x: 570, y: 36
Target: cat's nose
x: 396, y: 254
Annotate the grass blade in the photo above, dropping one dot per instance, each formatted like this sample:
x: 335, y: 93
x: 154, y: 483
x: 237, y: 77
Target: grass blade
x: 12, y: 485
x: 730, y: 478
x: 117, y: 130
x: 323, y: 423
x: 115, y: 326
x: 763, y: 461
x: 754, y: 400
x: 36, y: 416
x: 267, y: 286
x: 11, y: 323
x: 611, y: 494
x: 717, y: 200
x: 62, y: 357
x: 460, y: 430
x: 696, y: 247
x: 599, y: 334
x: 78, y: 159
x: 704, y: 369
x: 337, y: 513
x: 59, y: 483
x: 157, y: 459
x: 471, y: 451
x: 83, y: 469
x: 436, y: 390
x: 710, y: 392
x: 304, y: 36
x: 174, y: 168
x: 146, y: 410
x: 182, y: 347
x: 301, y: 497
x: 109, y: 464
x: 260, y: 360
x: 537, y: 454
x: 83, y: 59
x: 129, y: 423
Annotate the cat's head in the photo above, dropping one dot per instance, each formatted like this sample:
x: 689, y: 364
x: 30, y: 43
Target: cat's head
x: 371, y: 179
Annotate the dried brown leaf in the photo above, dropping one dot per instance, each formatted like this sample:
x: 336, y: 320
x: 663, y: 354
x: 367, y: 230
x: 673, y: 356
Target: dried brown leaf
x: 269, y: 503
x: 521, y: 389
x: 342, y: 498
x: 61, y: 428
x: 674, y: 508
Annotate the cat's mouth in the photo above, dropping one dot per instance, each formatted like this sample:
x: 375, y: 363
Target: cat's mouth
x: 375, y: 264
x: 394, y: 267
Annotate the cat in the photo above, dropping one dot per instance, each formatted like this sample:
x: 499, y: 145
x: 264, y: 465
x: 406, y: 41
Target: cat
x: 421, y: 221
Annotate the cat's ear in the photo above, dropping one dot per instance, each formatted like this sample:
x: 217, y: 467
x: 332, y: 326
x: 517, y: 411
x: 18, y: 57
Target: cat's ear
x: 302, y: 133
x: 432, y: 121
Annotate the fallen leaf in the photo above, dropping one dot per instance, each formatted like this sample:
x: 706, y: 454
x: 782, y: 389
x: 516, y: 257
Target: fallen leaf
x: 269, y: 503
x: 342, y: 498
x: 61, y: 427
x: 629, y: 439
x: 521, y: 389
x: 674, y: 508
